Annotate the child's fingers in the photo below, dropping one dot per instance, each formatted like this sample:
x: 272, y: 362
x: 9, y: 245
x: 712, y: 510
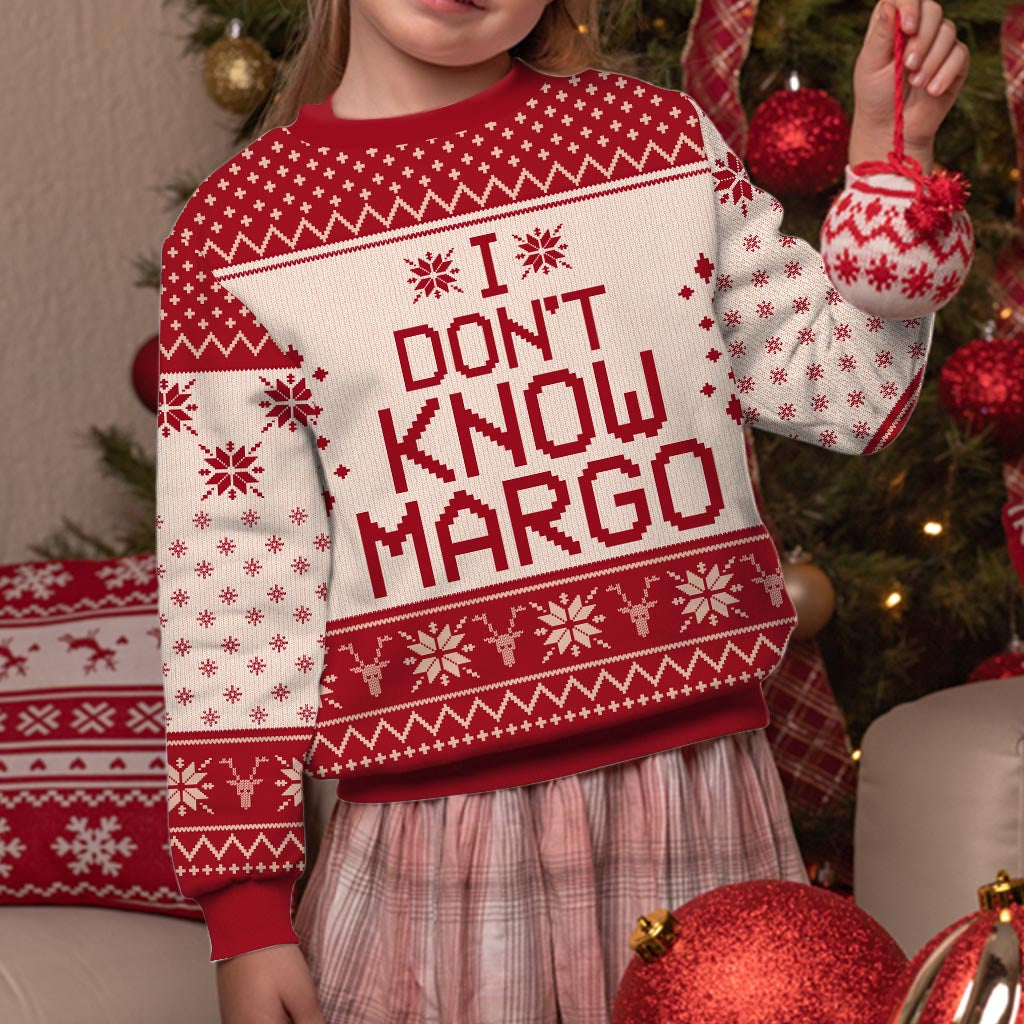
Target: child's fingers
x: 910, y: 13
x: 921, y: 41
x: 952, y: 72
x: 940, y: 50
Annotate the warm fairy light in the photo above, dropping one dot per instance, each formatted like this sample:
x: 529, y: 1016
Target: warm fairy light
x: 855, y: 756
x: 932, y: 528
x: 893, y: 599
x: 1015, y: 174
x: 1005, y: 312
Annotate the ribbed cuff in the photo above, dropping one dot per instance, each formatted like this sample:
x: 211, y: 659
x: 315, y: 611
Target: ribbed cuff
x: 248, y: 915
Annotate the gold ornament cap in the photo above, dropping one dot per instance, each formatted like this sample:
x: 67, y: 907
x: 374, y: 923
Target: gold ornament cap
x: 653, y: 934
x: 1003, y: 892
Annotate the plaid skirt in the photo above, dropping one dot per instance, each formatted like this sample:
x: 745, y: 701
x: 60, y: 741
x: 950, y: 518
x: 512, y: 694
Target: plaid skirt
x: 515, y: 906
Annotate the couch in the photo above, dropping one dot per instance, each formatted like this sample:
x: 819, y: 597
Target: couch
x: 940, y: 806
x: 93, y: 965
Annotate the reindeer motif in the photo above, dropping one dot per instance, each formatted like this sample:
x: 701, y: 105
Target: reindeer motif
x: 11, y: 660
x: 639, y: 612
x: 91, y: 644
x: 244, y: 787
x: 373, y: 671
x: 773, y: 584
x: 505, y: 643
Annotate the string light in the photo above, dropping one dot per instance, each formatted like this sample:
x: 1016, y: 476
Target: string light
x: 855, y: 755
x: 893, y: 599
x: 932, y: 528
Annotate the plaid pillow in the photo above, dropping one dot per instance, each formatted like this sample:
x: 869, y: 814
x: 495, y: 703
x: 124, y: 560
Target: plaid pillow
x: 83, y: 777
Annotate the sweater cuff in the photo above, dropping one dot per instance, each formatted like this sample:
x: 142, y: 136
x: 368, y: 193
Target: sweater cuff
x: 249, y: 915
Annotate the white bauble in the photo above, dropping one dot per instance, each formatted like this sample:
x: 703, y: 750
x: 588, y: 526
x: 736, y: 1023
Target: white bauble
x: 881, y: 265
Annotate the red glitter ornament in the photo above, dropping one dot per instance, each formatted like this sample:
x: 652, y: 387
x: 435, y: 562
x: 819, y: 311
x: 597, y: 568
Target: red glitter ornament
x: 970, y: 971
x: 763, y: 952
x: 797, y: 142
x: 1004, y: 665
x: 982, y: 385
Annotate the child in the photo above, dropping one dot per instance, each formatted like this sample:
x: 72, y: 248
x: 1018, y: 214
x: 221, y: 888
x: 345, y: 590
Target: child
x: 454, y: 508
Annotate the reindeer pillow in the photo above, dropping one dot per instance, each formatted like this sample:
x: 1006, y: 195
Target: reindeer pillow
x: 83, y: 780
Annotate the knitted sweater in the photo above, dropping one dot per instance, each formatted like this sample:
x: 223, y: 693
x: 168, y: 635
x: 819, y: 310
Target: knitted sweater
x: 452, y: 489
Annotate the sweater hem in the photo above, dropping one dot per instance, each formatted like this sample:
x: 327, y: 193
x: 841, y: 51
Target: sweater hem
x: 738, y: 711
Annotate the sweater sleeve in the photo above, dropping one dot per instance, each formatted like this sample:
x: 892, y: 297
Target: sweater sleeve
x: 806, y: 363
x: 243, y: 547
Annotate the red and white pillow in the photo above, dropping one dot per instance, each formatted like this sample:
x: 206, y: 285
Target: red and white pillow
x: 83, y: 774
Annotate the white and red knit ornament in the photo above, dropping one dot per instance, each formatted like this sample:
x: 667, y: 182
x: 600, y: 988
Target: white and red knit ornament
x: 898, y: 242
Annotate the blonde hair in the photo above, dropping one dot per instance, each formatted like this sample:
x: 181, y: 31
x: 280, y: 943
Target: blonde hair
x: 566, y: 39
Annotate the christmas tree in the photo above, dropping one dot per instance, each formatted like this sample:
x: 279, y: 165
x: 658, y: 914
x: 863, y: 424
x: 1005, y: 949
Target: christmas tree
x: 911, y: 538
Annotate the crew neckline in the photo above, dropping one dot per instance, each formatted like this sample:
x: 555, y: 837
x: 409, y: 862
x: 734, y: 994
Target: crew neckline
x: 318, y: 124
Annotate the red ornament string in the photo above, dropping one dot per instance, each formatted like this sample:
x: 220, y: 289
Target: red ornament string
x: 936, y: 195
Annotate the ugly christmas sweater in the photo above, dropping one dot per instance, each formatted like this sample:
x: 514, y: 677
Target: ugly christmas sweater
x: 452, y: 489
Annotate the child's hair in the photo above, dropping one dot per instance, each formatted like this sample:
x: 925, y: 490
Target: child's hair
x: 566, y: 39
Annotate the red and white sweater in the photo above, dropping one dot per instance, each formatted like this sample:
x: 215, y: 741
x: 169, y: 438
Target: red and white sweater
x: 452, y: 493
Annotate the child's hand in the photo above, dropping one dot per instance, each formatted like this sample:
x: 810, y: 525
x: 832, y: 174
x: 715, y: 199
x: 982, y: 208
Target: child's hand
x: 935, y: 68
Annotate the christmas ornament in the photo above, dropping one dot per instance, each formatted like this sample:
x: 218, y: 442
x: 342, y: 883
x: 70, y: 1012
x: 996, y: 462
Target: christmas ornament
x: 144, y: 374
x: 238, y: 71
x: 875, y: 251
x: 763, y: 952
x: 1007, y: 664
x: 981, y: 386
x: 971, y: 972
x: 811, y: 592
x: 798, y: 142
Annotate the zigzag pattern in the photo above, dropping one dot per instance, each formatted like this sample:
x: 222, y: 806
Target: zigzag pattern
x: 510, y: 192
x: 78, y: 797
x: 529, y: 706
x: 901, y: 240
x: 160, y: 898
x: 293, y: 837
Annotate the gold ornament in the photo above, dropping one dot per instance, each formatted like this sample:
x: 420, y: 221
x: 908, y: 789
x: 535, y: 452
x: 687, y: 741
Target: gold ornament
x: 811, y: 592
x: 238, y: 71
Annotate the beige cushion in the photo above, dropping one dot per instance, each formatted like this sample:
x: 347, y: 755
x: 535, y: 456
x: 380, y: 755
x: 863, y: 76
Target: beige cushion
x: 940, y: 806
x: 93, y: 965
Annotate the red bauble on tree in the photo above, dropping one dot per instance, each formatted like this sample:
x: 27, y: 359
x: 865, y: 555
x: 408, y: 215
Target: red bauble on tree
x: 797, y: 142
x: 982, y: 386
x: 1006, y: 664
x: 764, y: 952
x: 145, y: 376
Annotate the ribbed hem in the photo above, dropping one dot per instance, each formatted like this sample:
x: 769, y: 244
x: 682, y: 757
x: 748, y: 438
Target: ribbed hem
x: 730, y: 712
x: 248, y: 915
x: 318, y: 124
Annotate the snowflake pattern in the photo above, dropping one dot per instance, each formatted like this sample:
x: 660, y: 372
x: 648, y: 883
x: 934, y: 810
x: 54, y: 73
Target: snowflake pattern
x: 570, y: 625
x: 94, y: 846
x: 441, y: 653
x: 11, y: 847
x: 176, y: 407
x: 289, y: 403
x: 232, y: 470
x: 542, y: 251
x: 186, y: 786
x: 433, y: 274
x: 39, y: 580
x: 708, y: 593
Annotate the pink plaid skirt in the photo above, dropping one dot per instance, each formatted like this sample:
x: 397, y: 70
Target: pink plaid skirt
x: 515, y: 906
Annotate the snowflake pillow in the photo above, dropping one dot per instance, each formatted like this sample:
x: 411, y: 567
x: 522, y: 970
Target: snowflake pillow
x: 83, y: 779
